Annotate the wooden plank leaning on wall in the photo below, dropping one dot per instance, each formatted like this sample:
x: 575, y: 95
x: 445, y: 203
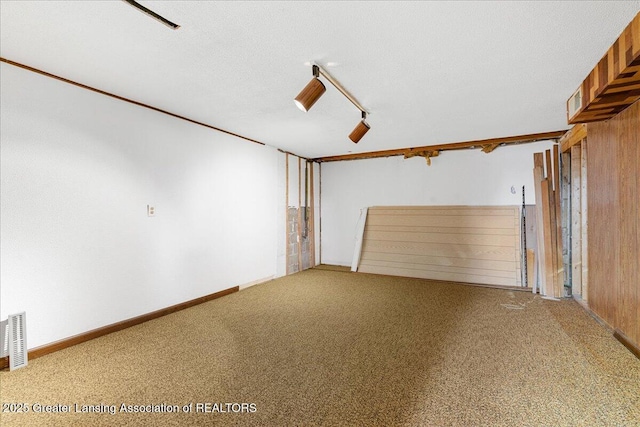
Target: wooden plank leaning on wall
x: 559, y: 290
x: 551, y: 220
x: 548, y: 217
x: 473, y: 244
x: 543, y: 271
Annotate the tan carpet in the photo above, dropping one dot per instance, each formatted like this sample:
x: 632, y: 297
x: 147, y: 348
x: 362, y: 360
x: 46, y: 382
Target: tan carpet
x: 328, y: 348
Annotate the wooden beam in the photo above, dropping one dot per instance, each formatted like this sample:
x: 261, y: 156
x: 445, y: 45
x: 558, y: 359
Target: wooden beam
x: 573, y: 137
x: 520, y: 139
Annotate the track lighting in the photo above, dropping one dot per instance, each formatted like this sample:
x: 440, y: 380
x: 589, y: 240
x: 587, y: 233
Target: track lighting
x: 361, y: 128
x: 152, y: 14
x: 314, y: 90
x: 311, y: 92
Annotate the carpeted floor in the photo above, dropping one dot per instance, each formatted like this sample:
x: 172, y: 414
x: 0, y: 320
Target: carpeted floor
x: 335, y: 348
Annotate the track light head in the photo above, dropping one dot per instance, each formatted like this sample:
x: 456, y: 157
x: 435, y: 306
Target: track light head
x: 314, y: 90
x: 311, y: 92
x: 361, y: 128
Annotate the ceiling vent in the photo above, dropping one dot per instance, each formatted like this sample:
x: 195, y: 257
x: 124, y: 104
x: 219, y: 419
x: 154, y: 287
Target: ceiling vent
x: 17, y: 341
x: 575, y: 103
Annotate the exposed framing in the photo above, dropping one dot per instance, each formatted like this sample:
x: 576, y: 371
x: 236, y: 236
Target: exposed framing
x: 312, y: 217
x: 286, y: 214
x: 300, y: 214
x: 487, y: 145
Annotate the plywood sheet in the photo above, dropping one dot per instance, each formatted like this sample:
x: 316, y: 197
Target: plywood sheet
x: 475, y: 244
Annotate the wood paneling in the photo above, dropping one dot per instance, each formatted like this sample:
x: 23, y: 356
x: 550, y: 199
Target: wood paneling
x: 614, y: 83
x: 474, y: 244
x: 614, y: 221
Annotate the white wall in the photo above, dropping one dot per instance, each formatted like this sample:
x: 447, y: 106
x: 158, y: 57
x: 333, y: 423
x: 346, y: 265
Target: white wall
x: 77, y: 172
x: 463, y: 177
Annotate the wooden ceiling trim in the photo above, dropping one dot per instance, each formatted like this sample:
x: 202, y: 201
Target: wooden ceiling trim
x: 122, y: 98
x: 490, y: 145
x: 574, y: 136
x: 614, y: 83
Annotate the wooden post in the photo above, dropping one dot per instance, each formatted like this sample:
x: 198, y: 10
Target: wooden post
x: 286, y: 214
x: 320, y: 216
x: 312, y: 223
x: 299, y: 214
x: 576, y: 221
x: 584, y: 218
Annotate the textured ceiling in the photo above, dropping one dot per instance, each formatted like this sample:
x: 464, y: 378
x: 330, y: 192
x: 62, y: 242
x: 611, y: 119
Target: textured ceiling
x: 429, y: 72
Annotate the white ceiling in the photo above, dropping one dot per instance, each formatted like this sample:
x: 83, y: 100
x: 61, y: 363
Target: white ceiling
x: 429, y: 72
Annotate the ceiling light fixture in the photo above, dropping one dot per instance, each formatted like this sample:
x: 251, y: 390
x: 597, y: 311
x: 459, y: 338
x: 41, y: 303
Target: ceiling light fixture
x: 361, y: 128
x: 311, y: 92
x: 152, y: 14
x: 314, y: 90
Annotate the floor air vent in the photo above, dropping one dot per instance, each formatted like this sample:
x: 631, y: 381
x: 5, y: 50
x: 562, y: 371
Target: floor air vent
x: 17, y: 341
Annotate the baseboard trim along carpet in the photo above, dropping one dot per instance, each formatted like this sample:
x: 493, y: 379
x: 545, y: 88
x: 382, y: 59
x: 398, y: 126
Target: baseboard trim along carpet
x: 627, y: 343
x: 617, y: 333
x: 257, y: 282
x: 115, y: 327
